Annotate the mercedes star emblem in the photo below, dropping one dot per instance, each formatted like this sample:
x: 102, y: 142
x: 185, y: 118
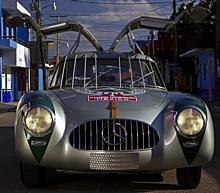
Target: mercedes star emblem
x: 114, y: 133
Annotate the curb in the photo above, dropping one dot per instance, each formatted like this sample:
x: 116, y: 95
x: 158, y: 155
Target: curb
x: 7, y: 110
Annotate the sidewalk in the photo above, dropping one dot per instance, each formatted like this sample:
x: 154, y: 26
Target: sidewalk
x: 214, y: 107
x: 8, y: 107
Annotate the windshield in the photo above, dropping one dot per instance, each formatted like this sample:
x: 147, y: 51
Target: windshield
x: 96, y: 72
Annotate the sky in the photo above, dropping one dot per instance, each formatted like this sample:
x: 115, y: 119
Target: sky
x: 104, y: 18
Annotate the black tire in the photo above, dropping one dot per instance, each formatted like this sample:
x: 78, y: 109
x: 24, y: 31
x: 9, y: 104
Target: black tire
x: 188, y: 178
x: 155, y: 177
x: 33, y: 176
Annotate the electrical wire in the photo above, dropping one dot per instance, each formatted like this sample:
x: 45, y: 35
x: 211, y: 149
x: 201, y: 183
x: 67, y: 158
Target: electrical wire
x: 119, y: 15
x: 120, y: 3
x: 152, y: 10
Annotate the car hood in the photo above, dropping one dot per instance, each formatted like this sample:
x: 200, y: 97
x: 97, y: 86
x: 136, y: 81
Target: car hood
x: 125, y: 99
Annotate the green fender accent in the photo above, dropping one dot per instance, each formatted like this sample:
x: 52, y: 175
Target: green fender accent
x: 42, y: 100
x: 35, y: 143
x: 190, y: 152
x: 38, y: 151
x: 191, y: 102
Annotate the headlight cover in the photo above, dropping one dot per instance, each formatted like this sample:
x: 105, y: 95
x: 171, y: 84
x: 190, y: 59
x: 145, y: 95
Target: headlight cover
x: 190, y: 121
x: 38, y: 120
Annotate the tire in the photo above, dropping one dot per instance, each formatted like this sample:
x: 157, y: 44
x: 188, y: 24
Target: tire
x: 33, y: 176
x: 155, y: 177
x: 188, y: 178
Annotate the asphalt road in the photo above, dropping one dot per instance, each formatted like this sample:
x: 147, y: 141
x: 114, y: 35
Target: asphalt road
x: 10, y: 180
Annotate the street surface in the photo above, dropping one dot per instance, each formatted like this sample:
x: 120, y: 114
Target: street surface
x: 65, y: 183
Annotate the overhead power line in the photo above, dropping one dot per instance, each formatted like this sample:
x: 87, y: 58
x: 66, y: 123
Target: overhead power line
x: 104, y: 15
x: 121, y: 3
x: 120, y: 15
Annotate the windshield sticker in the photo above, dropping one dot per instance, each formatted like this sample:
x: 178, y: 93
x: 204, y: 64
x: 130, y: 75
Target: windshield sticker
x: 112, y: 97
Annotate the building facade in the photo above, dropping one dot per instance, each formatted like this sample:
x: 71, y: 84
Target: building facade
x: 14, y: 54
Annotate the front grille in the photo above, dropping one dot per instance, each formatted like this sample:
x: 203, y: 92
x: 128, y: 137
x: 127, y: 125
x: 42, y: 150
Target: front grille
x: 114, y: 161
x: 114, y: 135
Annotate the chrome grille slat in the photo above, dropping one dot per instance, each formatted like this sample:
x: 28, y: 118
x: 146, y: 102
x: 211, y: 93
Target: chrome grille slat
x: 153, y: 138
x: 137, y: 134
x: 90, y: 131
x: 114, y: 128
x: 142, y: 127
x: 126, y: 138
x: 120, y: 135
x: 108, y: 133
x: 129, y: 135
x: 85, y: 134
x: 79, y: 138
x: 132, y: 147
x: 102, y: 140
x: 97, y: 137
x: 148, y: 136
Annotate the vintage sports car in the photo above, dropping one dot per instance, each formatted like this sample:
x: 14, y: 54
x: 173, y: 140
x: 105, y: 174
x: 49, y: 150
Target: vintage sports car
x: 110, y: 112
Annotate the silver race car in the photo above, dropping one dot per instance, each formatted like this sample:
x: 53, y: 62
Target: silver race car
x: 110, y: 112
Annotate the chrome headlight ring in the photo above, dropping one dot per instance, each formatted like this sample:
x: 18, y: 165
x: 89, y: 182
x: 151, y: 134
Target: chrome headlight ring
x: 193, y: 115
x: 50, y: 115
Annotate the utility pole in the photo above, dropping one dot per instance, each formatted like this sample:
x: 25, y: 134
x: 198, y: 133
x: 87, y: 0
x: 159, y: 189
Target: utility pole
x: 39, y: 48
x: 148, y: 46
x: 38, y: 20
x: 217, y: 48
x: 174, y: 33
x: 152, y: 41
x: 59, y: 16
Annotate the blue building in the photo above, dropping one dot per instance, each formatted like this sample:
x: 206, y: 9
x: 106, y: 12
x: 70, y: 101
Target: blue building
x: 14, y: 54
x: 205, y: 71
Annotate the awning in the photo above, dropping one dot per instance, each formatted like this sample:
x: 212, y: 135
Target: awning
x: 195, y: 52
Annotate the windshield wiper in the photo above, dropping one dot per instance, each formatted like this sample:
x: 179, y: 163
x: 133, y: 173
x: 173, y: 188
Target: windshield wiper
x: 103, y: 73
x: 143, y: 77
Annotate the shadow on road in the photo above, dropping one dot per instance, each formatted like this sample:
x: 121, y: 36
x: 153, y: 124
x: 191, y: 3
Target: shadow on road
x: 213, y: 168
x: 107, y: 183
x: 10, y: 176
x: 78, y: 183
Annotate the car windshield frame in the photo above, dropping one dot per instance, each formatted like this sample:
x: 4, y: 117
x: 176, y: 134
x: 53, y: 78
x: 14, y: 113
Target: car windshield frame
x: 96, y: 72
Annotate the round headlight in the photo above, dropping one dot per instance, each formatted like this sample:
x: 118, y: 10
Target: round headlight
x: 38, y: 120
x: 190, y: 121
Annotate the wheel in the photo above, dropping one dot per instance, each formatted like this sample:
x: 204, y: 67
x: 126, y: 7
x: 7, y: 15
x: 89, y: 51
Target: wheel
x: 33, y: 176
x: 155, y: 177
x: 188, y: 177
